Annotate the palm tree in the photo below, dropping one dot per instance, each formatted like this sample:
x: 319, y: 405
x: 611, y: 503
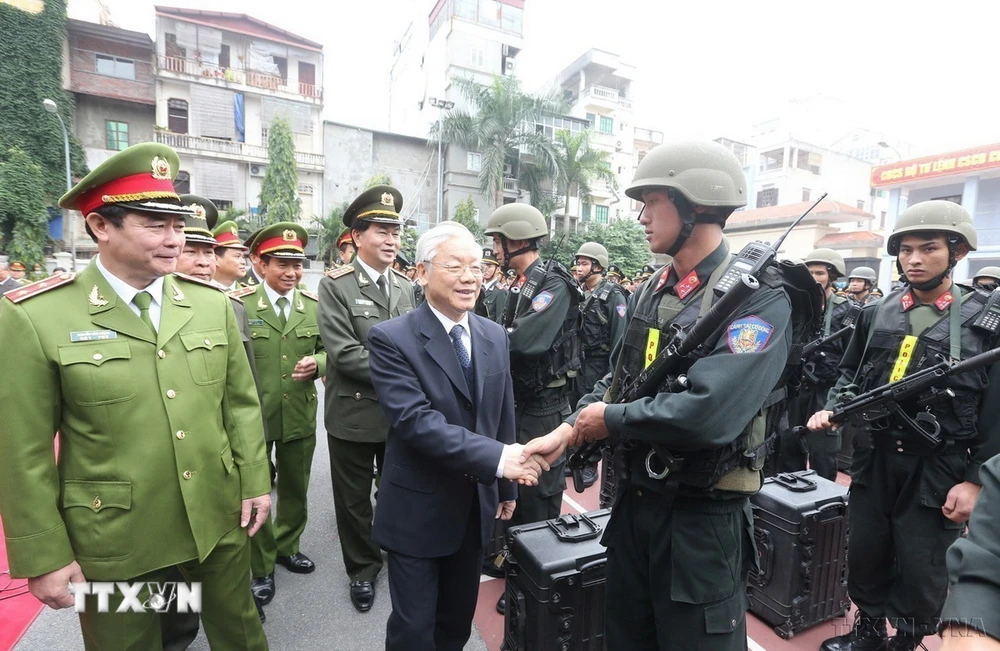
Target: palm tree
x: 580, y: 165
x: 501, y: 126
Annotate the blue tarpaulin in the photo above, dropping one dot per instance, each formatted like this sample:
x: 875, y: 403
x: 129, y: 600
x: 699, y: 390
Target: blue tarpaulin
x: 239, y: 117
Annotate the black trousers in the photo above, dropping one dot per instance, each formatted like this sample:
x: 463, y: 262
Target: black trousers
x: 434, y: 599
x: 819, y: 448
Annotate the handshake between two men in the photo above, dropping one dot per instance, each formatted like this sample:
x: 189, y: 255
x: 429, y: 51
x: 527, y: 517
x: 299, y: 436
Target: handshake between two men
x: 538, y: 454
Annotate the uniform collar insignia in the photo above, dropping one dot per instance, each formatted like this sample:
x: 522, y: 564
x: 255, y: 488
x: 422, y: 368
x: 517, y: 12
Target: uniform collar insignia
x: 299, y: 306
x: 944, y: 301
x: 663, y: 279
x: 688, y: 285
x: 363, y: 279
x: 95, y: 298
x: 178, y: 294
x: 261, y: 305
x: 906, y: 301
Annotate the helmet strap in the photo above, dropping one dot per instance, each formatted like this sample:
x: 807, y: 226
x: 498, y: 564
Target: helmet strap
x: 936, y: 281
x: 688, y: 218
x: 507, y: 255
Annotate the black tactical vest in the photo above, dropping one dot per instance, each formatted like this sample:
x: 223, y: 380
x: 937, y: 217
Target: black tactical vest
x: 957, y: 416
x: 824, y: 365
x: 596, y: 324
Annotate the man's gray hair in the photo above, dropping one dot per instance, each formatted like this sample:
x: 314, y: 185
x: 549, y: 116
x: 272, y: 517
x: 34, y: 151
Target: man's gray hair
x: 431, y: 241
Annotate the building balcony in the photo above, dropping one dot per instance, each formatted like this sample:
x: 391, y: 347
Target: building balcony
x: 227, y: 149
x: 510, y: 185
x: 238, y: 78
x: 606, y: 97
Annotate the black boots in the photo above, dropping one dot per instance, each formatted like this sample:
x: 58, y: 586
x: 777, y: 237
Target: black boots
x: 868, y: 634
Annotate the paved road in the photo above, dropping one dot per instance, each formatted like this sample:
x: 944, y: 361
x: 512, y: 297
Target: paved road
x: 311, y: 611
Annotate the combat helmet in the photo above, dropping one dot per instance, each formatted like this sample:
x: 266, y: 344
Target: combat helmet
x: 830, y: 258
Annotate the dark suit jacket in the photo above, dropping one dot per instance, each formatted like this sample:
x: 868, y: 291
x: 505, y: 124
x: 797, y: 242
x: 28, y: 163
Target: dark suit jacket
x: 441, y: 450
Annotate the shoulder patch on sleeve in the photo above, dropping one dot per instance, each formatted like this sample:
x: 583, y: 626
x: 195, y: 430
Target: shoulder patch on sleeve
x: 621, y: 310
x: 749, y: 334
x: 541, y: 301
x: 39, y: 287
x: 243, y: 291
x: 339, y: 272
x: 309, y: 295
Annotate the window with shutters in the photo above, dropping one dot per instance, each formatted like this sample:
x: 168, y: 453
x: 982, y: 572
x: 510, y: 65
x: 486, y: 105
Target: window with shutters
x: 601, y: 214
x: 474, y: 161
x: 767, y: 197
x: 116, y: 135
x: 607, y: 124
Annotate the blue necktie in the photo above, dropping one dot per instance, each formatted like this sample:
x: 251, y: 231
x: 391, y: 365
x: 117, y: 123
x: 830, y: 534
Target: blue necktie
x: 463, y: 357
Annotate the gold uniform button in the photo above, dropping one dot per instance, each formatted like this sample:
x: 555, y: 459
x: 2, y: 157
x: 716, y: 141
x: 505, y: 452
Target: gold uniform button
x: 98, y: 357
x: 171, y: 394
x: 161, y: 354
x: 283, y: 337
x: 285, y: 396
x: 284, y: 376
x: 180, y: 435
x: 97, y: 503
x: 284, y: 357
x: 253, y: 335
x: 188, y: 474
x: 208, y: 342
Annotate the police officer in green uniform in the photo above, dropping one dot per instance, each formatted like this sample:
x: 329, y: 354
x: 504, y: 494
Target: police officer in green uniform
x: 18, y: 271
x: 542, y: 316
x: 971, y: 615
x: 819, y: 374
x: 492, y: 297
x: 289, y: 356
x: 162, y: 459
x: 353, y: 298
x: 603, y: 311
x: 231, y: 261
x: 910, y: 499
x: 860, y: 283
x: 692, y: 529
x: 987, y: 279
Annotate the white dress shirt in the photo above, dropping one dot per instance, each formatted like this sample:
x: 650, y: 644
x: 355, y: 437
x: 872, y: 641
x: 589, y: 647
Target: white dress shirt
x: 448, y: 324
x: 273, y: 296
x: 374, y: 275
x: 127, y: 292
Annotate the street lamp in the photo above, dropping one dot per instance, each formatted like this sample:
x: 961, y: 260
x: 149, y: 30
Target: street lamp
x: 885, y: 145
x: 51, y: 107
x: 447, y: 106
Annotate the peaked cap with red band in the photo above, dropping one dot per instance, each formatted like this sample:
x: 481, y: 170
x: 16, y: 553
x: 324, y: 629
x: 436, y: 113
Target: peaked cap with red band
x: 140, y: 177
x: 227, y: 235
x: 281, y: 240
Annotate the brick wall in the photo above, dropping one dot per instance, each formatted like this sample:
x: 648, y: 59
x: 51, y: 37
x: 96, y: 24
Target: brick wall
x: 84, y: 79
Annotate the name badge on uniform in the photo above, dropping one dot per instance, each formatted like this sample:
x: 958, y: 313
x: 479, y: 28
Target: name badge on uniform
x: 255, y: 322
x: 93, y: 335
x: 652, y: 346
x: 906, y: 349
x: 364, y: 301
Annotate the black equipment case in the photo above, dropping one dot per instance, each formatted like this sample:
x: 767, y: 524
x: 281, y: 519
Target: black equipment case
x: 555, y: 584
x: 800, y: 527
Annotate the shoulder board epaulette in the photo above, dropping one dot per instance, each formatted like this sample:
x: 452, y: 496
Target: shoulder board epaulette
x: 243, y: 291
x: 309, y: 295
x: 39, y: 287
x: 340, y: 271
x: 198, y: 281
x: 401, y: 275
x: 842, y: 299
x: 234, y: 298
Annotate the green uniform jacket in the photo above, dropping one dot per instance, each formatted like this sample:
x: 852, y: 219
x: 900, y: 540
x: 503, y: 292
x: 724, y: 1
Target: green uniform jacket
x: 161, y: 436
x: 289, y: 405
x: 349, y: 305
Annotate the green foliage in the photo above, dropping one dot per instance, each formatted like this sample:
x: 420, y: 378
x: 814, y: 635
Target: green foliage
x: 279, y: 191
x: 380, y: 178
x: 409, y: 242
x: 579, y: 166
x: 330, y: 228
x: 31, y: 52
x: 500, y: 127
x: 623, y: 238
x: 22, y: 208
x: 465, y: 214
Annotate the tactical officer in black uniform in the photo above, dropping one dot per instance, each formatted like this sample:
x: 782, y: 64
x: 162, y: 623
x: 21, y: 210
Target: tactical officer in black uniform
x: 819, y: 374
x: 910, y: 499
x: 987, y: 279
x: 860, y: 283
x: 543, y: 319
x: 680, y: 544
x: 492, y: 298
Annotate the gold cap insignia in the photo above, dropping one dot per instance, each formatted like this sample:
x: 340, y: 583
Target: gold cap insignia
x: 199, y: 210
x: 161, y: 168
x: 387, y: 199
x: 288, y: 235
x: 234, y: 230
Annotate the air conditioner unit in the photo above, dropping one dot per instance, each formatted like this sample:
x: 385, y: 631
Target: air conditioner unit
x: 258, y: 170
x: 508, y: 66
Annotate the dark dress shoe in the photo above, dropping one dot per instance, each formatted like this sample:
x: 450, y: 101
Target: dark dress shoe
x: 362, y: 595
x: 298, y: 563
x: 502, y: 604
x: 263, y: 588
x: 260, y: 610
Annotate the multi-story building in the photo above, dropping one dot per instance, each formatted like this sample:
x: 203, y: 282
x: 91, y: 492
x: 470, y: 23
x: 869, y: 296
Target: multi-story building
x: 354, y: 154
x: 597, y: 87
x: 221, y: 78
x: 109, y: 70
x: 474, y: 39
x: 643, y: 141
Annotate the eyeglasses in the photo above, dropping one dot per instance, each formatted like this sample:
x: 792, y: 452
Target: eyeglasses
x: 458, y: 270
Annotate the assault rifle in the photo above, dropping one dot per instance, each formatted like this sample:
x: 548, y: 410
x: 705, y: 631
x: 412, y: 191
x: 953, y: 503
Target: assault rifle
x: 736, y: 286
x: 813, y: 347
x: 874, y: 408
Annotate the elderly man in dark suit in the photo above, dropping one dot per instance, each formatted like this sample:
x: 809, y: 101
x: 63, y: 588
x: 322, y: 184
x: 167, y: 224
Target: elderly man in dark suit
x: 443, y: 379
